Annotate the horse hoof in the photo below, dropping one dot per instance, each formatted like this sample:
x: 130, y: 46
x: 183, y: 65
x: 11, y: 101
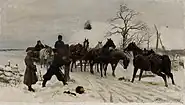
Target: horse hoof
x: 92, y: 72
x: 166, y: 85
x: 65, y: 83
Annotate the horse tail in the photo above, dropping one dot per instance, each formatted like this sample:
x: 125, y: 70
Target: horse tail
x: 166, y: 63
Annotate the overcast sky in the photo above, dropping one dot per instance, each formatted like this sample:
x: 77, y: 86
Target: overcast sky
x: 26, y: 21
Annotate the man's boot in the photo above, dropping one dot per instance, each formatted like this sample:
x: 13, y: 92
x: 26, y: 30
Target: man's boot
x: 65, y: 83
x: 30, y: 89
x: 44, y: 83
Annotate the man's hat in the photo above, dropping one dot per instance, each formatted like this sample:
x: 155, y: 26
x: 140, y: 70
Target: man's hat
x: 80, y: 89
x: 59, y: 36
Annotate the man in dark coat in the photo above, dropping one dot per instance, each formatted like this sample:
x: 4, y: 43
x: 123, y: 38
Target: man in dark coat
x: 30, y: 77
x: 59, y: 43
x: 39, y: 46
x: 60, y: 46
x: 55, y: 70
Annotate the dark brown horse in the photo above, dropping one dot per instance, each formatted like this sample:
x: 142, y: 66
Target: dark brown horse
x: 75, y: 52
x: 155, y: 63
x: 115, y: 57
x: 78, y: 51
x: 92, y: 56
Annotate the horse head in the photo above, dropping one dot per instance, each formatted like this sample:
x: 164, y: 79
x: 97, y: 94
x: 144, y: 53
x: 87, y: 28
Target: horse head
x: 131, y: 46
x: 126, y: 62
x: 109, y: 43
x: 86, y: 43
x: 99, y: 42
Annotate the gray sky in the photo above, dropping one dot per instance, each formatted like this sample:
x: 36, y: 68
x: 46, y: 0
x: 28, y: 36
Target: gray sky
x: 25, y: 21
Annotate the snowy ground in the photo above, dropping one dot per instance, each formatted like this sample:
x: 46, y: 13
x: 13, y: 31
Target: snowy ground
x: 108, y: 89
x: 24, y: 20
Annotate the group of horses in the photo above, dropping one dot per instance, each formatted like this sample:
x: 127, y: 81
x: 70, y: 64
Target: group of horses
x: 102, y: 55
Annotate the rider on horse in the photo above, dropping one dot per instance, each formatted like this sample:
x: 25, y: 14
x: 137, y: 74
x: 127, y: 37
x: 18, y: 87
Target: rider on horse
x: 59, y: 45
x: 39, y: 46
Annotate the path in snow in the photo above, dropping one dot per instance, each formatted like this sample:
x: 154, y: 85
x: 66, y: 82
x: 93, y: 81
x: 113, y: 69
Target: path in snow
x: 107, y: 89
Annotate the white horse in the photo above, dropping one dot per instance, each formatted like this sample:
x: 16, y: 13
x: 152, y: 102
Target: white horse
x: 46, y: 56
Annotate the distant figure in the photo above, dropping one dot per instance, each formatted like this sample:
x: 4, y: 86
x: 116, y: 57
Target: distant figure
x: 59, y: 45
x: 87, y: 25
x: 30, y: 76
x: 39, y: 46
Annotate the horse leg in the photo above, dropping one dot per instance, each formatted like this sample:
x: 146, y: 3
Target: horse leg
x: 171, y: 76
x: 101, y: 67
x: 113, y: 69
x: 45, y: 62
x: 134, y: 74
x: 105, y: 69
x: 97, y: 68
x: 91, y: 67
x: 81, y: 65
x: 163, y: 76
x: 72, y: 66
x: 40, y: 63
x: 75, y: 65
x: 40, y: 75
x: 85, y: 65
x: 140, y: 75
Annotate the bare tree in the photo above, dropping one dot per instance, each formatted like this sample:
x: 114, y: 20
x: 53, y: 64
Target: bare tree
x: 127, y: 16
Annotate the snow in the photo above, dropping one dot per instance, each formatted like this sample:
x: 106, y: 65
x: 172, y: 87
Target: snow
x: 97, y: 89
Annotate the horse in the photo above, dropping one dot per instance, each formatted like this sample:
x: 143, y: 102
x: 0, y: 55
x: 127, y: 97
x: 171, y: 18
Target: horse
x: 115, y: 56
x: 95, y: 55
x: 46, y: 56
x: 30, y: 48
x: 98, y: 46
x: 78, y: 51
x: 153, y: 62
x: 74, y: 49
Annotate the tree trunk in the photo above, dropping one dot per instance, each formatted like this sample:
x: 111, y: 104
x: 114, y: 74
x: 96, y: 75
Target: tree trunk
x: 124, y: 41
x: 148, y: 43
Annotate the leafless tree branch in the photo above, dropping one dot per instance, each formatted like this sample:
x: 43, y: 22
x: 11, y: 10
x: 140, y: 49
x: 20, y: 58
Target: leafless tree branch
x: 126, y: 16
